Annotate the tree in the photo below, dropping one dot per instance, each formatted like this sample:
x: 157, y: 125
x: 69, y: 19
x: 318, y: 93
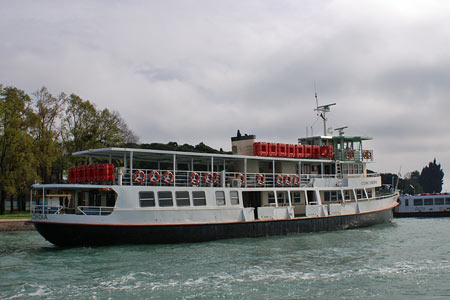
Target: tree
x: 431, y: 178
x: 46, y: 135
x: 17, y: 163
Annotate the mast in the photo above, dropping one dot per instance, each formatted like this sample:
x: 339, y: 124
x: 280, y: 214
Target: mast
x: 321, y: 111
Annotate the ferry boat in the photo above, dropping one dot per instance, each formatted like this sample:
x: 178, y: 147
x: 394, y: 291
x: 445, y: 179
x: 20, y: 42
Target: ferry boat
x: 138, y: 196
x: 423, y: 205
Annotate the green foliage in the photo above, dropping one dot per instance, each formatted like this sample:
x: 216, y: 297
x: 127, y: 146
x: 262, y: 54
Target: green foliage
x: 37, y: 141
x: 17, y: 163
x: 432, y: 177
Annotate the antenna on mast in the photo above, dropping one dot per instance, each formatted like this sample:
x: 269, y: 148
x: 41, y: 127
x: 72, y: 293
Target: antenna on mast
x: 322, y: 110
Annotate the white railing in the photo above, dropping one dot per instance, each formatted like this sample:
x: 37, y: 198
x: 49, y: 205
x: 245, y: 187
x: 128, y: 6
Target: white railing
x: 40, y: 209
x: 150, y: 177
x: 95, y: 210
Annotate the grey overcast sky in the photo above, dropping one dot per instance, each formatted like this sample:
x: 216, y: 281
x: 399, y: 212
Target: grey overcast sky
x: 196, y: 71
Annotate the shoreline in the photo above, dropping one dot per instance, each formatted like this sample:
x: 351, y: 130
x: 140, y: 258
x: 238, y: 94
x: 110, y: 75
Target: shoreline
x: 8, y: 225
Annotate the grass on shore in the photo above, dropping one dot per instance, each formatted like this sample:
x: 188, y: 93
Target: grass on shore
x: 15, y: 215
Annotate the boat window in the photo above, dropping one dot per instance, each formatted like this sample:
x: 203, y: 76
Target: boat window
x: 359, y: 194
x: 182, y: 198
x: 428, y: 201
x: 369, y: 193
x: 146, y: 199
x: 234, y: 197
x: 220, y: 197
x: 418, y: 202
x: 347, y: 195
x: 327, y: 196
x: 406, y: 202
x: 438, y: 201
x: 447, y: 201
x: 296, y: 197
x: 199, y: 198
x: 271, y: 197
x: 280, y: 197
x: 361, y: 169
x: 165, y: 199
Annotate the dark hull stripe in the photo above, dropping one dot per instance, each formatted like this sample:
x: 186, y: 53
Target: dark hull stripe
x: 96, y: 235
x: 423, y: 214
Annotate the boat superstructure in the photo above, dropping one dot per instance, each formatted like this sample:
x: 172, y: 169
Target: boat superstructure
x: 127, y: 195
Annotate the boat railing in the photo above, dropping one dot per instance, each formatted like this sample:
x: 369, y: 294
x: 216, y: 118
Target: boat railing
x: 95, y: 210
x: 41, y: 209
x: 151, y: 177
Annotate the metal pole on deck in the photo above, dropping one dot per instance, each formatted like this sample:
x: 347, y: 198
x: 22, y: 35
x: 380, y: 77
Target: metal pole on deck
x: 212, y: 170
x: 174, y: 169
x: 245, y: 171
x: 273, y: 172
x: 131, y: 168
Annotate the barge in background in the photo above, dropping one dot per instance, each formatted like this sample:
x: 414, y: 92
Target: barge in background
x: 423, y: 205
x: 151, y: 196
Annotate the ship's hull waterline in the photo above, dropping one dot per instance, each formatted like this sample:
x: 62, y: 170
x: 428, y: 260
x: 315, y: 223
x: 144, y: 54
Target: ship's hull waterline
x: 98, y: 235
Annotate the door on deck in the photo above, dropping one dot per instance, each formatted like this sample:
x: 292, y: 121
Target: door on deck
x: 252, y: 199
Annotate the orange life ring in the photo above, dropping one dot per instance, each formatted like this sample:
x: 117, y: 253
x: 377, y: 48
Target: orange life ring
x: 208, y: 178
x: 195, y: 178
x: 217, y: 178
x: 168, y: 177
x: 241, y: 177
x: 296, y: 180
x: 288, y: 180
x: 154, y: 176
x: 260, y: 179
x: 139, y: 176
x: 279, y: 179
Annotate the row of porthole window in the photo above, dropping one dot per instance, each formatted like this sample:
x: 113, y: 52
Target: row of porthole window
x: 183, y: 198
x: 429, y: 201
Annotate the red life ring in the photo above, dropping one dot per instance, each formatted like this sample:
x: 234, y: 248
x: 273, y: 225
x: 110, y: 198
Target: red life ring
x: 139, y: 176
x: 279, y: 179
x: 208, y: 178
x: 217, y: 178
x: 260, y: 179
x: 369, y: 155
x: 288, y: 180
x: 154, y: 176
x: 241, y: 177
x: 296, y: 180
x: 168, y: 177
x: 195, y: 178
x: 349, y: 154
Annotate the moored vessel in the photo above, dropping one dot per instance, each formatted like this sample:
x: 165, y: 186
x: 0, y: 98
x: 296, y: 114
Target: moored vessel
x: 139, y: 196
x: 423, y: 205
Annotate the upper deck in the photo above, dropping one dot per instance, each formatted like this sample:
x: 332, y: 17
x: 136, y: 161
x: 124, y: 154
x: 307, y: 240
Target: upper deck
x: 173, y: 168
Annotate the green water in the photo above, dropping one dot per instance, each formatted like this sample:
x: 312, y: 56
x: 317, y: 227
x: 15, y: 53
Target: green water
x: 407, y: 259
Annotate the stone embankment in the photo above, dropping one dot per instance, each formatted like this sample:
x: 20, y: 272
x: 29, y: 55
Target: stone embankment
x: 15, y: 225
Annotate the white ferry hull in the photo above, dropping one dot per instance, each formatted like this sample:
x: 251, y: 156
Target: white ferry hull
x: 72, y: 234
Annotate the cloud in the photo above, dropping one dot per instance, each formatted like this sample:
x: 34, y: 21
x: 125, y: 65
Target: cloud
x: 196, y: 71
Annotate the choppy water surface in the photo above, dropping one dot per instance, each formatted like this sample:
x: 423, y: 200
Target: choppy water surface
x: 408, y: 259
